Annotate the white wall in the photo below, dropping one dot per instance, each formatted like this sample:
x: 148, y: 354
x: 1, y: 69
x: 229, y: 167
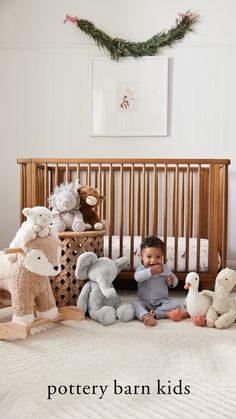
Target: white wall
x: 45, y: 103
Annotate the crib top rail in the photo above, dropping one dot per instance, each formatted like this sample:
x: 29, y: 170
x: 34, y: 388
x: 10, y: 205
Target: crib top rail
x: 122, y: 161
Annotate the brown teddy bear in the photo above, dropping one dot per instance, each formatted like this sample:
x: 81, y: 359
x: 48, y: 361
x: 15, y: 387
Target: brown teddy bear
x: 89, y: 199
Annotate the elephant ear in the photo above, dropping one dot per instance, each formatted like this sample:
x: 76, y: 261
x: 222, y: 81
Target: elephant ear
x: 121, y: 263
x: 83, y: 264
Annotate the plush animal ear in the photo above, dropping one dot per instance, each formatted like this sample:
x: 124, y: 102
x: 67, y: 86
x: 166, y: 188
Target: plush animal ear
x: 77, y: 184
x: 26, y: 211
x: 121, y: 263
x: 83, y: 264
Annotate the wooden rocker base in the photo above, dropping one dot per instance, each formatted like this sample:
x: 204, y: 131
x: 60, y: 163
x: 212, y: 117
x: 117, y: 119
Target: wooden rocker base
x: 10, y: 330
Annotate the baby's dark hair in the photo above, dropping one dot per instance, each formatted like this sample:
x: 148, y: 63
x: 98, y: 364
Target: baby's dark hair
x: 152, y: 241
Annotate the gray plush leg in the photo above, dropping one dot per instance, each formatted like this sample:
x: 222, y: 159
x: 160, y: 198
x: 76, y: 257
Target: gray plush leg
x: 59, y: 225
x: 225, y: 320
x: 211, y: 317
x: 125, y: 312
x: 105, y: 315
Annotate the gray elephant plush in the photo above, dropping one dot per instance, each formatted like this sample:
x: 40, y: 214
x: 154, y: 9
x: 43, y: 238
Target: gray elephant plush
x: 98, y: 296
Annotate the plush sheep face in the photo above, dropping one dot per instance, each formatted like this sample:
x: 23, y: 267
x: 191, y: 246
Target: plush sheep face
x: 226, y: 279
x: 43, y: 220
x: 66, y: 201
x: 41, y: 216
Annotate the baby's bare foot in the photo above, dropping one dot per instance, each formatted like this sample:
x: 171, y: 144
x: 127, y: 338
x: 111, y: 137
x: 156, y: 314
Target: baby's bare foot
x: 177, y: 315
x: 198, y: 320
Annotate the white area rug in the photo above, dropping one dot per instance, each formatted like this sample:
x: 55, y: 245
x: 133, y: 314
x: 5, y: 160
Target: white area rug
x: 87, y: 354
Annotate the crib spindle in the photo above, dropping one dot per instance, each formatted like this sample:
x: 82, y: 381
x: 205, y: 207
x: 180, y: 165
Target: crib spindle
x: 198, y: 216
x: 89, y: 174
x: 182, y: 204
x: 176, y: 229
x: 78, y: 171
x: 100, y: 190
x: 147, y: 198
x: 224, y: 215
x: 68, y: 173
x: 121, y: 224
x: 143, y: 201
x: 132, y: 217
x: 45, y: 185
x: 110, y: 210
x: 154, y: 224
x: 165, y: 213
x: 188, y: 215
x: 56, y: 176
x: 173, y: 203
x: 139, y: 203
x: 105, y: 194
x: 213, y: 221
x: 191, y: 204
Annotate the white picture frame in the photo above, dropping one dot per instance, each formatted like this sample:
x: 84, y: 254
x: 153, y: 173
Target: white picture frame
x: 129, y: 97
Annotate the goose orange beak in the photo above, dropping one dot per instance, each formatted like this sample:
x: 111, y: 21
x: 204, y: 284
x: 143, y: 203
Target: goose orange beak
x: 187, y: 286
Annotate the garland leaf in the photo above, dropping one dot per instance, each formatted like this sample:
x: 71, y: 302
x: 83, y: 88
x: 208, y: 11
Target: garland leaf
x: 120, y: 48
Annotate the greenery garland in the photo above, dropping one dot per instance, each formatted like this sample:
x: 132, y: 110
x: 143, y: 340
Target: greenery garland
x: 120, y: 48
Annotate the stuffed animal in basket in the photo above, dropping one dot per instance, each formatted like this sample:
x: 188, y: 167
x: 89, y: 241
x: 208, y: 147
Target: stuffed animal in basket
x: 27, y: 279
x: 65, y: 203
x: 98, y: 296
x: 89, y: 199
x: 222, y: 311
x: 196, y: 303
x: 38, y: 224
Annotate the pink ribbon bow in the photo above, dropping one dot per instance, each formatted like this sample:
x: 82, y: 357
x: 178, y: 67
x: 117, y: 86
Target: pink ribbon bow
x: 71, y: 19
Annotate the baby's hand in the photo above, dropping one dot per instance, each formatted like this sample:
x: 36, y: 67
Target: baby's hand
x: 170, y: 280
x: 156, y: 269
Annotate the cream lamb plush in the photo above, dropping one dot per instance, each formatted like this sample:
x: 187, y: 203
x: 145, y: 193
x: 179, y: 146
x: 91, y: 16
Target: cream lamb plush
x: 222, y: 311
x: 65, y: 204
x: 37, y: 224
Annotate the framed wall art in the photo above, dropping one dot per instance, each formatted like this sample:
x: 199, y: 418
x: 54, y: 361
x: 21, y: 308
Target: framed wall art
x: 129, y: 97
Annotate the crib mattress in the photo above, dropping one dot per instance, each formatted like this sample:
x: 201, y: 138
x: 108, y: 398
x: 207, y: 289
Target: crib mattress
x: 170, y: 260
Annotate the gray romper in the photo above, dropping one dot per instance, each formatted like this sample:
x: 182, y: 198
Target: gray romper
x: 153, y: 292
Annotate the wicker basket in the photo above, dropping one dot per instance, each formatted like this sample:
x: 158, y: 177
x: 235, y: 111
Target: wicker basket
x: 66, y: 287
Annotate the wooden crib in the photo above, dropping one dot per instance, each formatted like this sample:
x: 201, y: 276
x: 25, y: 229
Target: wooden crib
x: 168, y: 197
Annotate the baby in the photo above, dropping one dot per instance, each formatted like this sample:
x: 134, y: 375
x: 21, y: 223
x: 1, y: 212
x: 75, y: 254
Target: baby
x: 154, y: 278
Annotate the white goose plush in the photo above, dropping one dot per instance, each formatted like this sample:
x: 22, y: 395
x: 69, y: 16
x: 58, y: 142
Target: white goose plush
x: 196, y: 303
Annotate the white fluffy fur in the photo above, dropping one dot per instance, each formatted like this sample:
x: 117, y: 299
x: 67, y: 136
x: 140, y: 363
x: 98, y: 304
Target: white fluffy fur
x: 222, y: 312
x: 49, y: 314
x: 27, y: 319
x: 37, y: 224
x: 37, y: 262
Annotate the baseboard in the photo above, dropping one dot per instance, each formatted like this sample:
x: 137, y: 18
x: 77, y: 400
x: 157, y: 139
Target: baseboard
x: 231, y: 264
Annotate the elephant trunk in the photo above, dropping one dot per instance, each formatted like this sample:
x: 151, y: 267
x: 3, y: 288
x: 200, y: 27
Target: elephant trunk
x: 105, y: 289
